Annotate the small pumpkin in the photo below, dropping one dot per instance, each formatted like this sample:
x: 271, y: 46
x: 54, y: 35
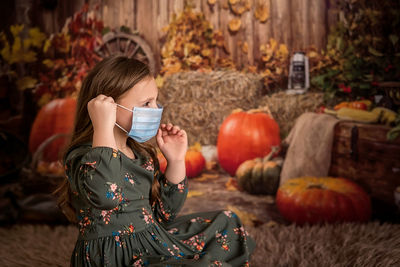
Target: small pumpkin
x: 260, y: 175
x: 194, y: 161
x: 55, y: 117
x: 323, y: 199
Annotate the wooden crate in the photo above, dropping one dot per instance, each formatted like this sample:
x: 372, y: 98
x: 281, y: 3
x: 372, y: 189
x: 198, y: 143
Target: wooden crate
x: 362, y: 153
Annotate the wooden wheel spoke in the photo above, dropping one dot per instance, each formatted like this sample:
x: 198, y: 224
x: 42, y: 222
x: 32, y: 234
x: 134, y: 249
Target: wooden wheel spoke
x: 132, y: 46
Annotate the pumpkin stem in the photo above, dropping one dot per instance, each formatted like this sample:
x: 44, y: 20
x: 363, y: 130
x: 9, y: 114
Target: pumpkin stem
x: 318, y: 186
x: 274, y: 149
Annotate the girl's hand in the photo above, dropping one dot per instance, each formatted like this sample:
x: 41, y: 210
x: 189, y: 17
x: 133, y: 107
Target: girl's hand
x: 172, y: 142
x: 102, y: 112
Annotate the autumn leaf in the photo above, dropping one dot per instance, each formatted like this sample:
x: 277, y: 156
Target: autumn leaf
x: 234, y: 24
x: 16, y: 29
x: 159, y: 81
x: 37, y: 37
x: 262, y: 11
x: 194, y: 193
x: 26, y: 83
x: 247, y: 218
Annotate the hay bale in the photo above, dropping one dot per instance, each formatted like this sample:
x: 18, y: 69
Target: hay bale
x: 199, y: 102
x: 285, y: 109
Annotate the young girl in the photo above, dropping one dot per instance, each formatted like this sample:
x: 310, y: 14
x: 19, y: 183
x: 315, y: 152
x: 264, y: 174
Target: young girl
x: 125, y: 208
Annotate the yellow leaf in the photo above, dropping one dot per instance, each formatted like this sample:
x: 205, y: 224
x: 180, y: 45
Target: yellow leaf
x: 262, y: 11
x: 46, y: 46
x: 312, y: 54
x: 37, y: 37
x: 26, y: 82
x: 196, y: 147
x: 206, y: 52
x: 231, y: 185
x: 16, y: 29
x: 247, y: 218
x: 5, y: 53
x: 206, y: 176
x: 46, y: 97
x: 29, y: 56
x: 16, y: 50
x: 194, y: 193
x: 234, y: 25
x: 283, y: 51
x: 159, y: 81
x: 48, y: 63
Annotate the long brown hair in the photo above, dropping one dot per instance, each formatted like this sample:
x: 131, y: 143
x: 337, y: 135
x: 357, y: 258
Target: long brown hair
x: 112, y: 76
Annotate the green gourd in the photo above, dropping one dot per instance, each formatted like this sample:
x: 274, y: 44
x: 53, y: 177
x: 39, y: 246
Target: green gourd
x: 260, y: 175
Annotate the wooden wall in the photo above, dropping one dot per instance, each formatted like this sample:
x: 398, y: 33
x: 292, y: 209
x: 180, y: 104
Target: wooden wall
x: 297, y: 23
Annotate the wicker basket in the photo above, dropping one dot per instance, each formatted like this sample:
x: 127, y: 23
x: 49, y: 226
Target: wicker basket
x: 33, y: 181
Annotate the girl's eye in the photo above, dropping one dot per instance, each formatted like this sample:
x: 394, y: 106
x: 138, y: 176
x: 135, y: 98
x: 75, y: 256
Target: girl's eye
x: 147, y: 104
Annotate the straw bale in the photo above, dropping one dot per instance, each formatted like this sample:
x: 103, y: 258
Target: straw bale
x: 199, y: 102
x: 285, y: 109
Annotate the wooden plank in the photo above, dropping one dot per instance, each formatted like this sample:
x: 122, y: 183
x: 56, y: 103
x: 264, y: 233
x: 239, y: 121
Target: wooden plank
x: 282, y: 22
x: 248, y: 22
x: 371, y: 132
x: 223, y: 24
x: 367, y: 149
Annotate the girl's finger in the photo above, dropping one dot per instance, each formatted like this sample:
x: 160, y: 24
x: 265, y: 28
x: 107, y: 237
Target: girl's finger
x: 160, y: 140
x: 182, y: 133
x: 175, y: 129
x: 169, y: 126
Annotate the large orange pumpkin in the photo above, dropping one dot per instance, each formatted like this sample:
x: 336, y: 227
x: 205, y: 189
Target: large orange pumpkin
x: 245, y: 135
x: 194, y: 162
x: 323, y: 199
x: 55, y: 117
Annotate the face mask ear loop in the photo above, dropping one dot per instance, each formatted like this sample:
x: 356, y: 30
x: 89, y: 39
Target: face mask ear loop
x: 118, y: 105
x: 121, y: 127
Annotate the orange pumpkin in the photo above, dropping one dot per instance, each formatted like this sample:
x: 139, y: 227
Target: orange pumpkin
x: 245, y: 135
x: 194, y: 162
x: 55, y: 117
x: 323, y: 199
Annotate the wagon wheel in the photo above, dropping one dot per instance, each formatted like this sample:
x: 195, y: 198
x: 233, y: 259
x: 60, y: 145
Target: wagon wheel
x: 132, y: 46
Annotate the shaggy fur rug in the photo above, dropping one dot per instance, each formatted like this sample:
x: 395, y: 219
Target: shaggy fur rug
x: 371, y: 244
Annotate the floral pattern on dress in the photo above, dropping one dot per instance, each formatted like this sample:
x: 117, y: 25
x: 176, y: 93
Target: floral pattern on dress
x: 114, y: 192
x: 128, y: 230
x: 230, y: 214
x: 147, y: 216
x: 130, y: 178
x: 201, y: 220
x: 166, y: 213
x: 222, y: 239
x: 216, y: 264
x: 196, y: 242
x: 241, y: 232
x: 85, y: 220
x: 173, y: 231
x: 148, y: 165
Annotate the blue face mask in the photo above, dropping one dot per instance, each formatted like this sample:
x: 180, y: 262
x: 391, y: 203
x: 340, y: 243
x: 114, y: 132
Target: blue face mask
x: 145, y: 123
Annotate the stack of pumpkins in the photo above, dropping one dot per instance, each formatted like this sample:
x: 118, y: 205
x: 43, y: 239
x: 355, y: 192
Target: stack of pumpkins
x: 248, y: 148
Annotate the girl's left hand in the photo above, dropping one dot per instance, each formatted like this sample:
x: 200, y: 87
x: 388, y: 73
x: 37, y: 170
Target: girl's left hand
x: 172, y: 142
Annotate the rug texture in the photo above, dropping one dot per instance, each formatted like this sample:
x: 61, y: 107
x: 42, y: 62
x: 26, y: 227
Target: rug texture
x: 371, y: 244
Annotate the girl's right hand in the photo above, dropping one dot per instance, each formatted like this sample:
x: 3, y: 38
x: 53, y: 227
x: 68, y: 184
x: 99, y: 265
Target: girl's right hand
x: 102, y: 112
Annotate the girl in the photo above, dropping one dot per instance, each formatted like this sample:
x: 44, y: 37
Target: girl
x: 125, y: 208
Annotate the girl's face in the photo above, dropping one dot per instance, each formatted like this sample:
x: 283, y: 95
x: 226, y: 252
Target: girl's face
x: 143, y: 94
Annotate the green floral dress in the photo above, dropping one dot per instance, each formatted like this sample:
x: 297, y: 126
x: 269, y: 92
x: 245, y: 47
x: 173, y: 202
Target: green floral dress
x: 119, y: 227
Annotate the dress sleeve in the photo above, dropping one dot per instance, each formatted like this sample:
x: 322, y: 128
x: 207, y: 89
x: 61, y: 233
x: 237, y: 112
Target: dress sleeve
x: 172, y: 198
x: 95, y: 174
